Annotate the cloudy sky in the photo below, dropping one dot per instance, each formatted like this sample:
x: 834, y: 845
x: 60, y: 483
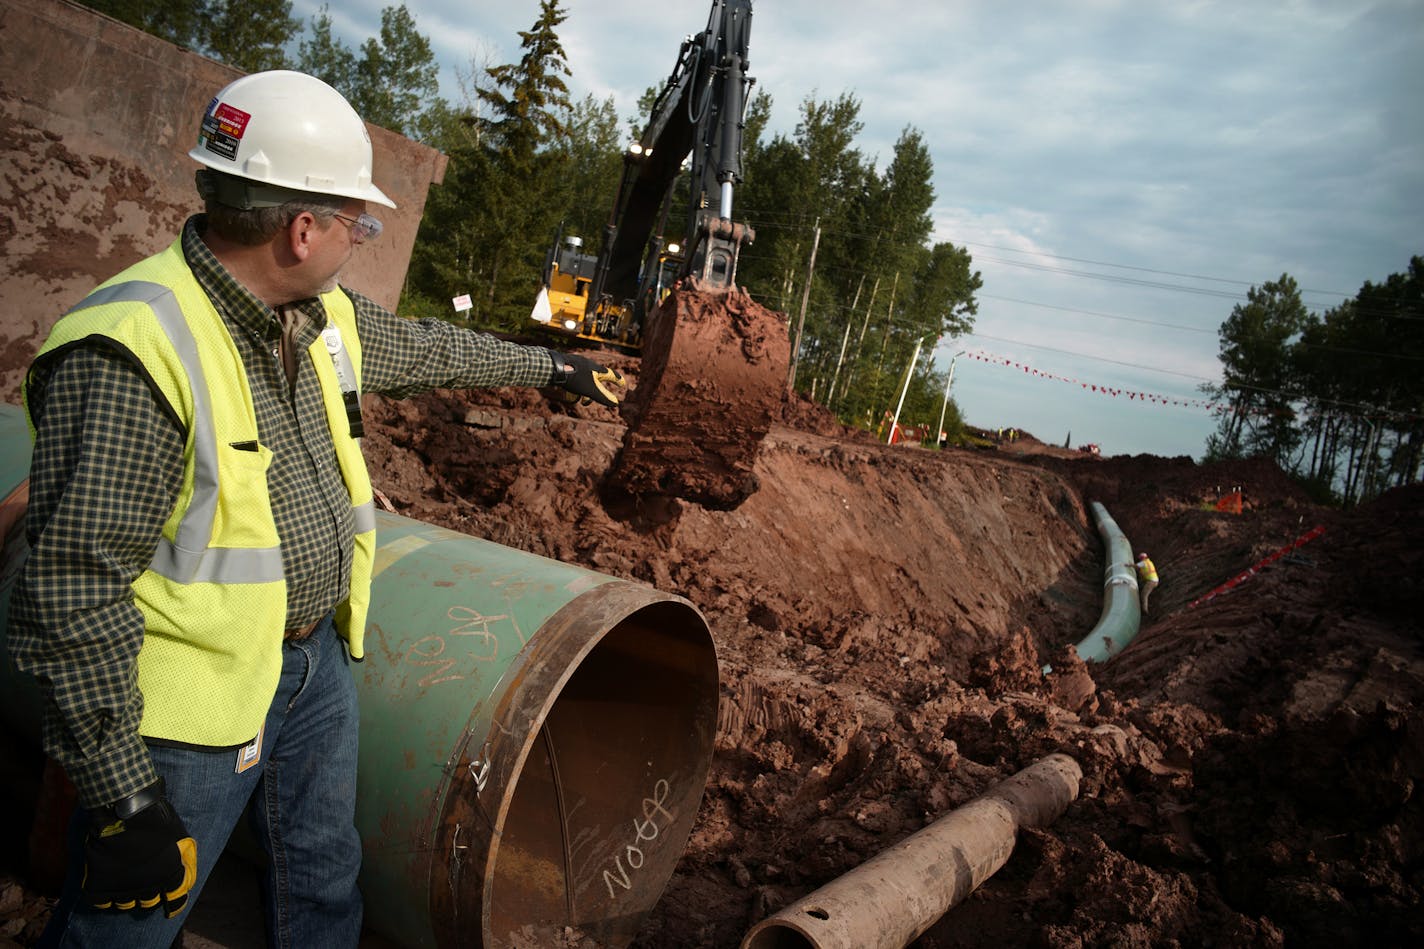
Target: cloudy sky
x: 1122, y: 172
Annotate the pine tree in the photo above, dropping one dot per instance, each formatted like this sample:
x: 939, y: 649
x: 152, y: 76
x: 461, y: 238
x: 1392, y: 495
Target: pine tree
x: 395, y: 81
x: 326, y: 57
x: 251, y: 35
x: 1260, y: 375
x: 487, y: 227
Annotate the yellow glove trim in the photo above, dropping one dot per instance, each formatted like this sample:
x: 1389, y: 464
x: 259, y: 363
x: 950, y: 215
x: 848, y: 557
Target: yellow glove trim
x: 607, y: 377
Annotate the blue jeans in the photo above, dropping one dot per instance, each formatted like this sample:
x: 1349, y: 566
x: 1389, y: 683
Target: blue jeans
x: 303, y: 795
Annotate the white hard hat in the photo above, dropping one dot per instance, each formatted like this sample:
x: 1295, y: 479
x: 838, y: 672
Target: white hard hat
x: 288, y: 130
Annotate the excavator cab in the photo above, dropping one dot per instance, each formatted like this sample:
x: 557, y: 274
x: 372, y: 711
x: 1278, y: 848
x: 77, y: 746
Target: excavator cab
x: 566, y: 307
x: 567, y: 275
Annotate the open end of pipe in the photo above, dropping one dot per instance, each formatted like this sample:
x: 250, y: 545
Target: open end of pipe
x: 601, y: 806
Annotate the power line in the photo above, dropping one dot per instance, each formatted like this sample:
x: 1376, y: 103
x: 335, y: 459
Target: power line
x: 1165, y: 273
x: 1106, y: 316
x: 1116, y: 278
x: 795, y: 222
x: 1320, y: 347
x: 1067, y: 352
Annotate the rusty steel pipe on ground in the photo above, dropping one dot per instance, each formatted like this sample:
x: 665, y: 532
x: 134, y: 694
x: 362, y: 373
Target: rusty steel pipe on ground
x: 891, y: 899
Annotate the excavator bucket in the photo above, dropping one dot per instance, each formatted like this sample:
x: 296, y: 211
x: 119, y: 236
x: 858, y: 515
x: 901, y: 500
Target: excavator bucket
x: 712, y: 380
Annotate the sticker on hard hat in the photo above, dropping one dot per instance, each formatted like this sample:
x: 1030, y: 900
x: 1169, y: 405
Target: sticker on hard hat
x: 222, y: 129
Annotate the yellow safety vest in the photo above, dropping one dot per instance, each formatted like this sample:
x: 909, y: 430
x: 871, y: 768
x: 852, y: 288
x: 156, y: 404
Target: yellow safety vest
x: 214, y: 599
x: 1146, y: 570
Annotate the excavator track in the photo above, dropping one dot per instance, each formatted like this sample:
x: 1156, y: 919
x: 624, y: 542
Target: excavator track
x: 713, y: 378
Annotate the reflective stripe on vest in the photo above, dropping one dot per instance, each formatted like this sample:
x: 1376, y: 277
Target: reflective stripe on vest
x: 205, y: 679
x: 188, y: 558
x: 364, y: 517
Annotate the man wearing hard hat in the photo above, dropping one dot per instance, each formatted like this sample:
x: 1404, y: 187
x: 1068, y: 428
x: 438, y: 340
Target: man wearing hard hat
x: 202, y: 526
x: 1146, y: 578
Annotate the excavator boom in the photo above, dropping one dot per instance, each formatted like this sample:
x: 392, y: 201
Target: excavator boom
x: 698, y: 117
x: 714, y: 361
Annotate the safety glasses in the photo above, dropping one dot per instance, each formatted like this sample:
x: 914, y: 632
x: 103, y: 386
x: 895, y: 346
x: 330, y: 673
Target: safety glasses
x: 363, y: 228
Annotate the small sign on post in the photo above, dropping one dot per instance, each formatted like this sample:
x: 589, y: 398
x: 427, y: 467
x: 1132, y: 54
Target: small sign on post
x: 463, y: 303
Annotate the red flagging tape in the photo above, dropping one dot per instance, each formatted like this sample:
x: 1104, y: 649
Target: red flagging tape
x: 1240, y: 578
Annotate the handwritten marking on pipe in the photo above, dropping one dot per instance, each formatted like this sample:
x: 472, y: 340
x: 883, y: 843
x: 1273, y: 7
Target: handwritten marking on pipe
x: 645, y: 829
x: 430, y: 650
x: 427, y: 651
x: 475, y: 624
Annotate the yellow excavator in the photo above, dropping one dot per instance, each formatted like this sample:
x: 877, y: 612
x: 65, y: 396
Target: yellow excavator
x: 563, y: 303
x: 714, y: 362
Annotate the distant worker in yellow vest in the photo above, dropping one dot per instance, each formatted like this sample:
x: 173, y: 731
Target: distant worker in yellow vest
x: 202, y: 528
x: 1146, y: 578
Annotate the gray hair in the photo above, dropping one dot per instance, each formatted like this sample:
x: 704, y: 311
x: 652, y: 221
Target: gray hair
x: 251, y: 213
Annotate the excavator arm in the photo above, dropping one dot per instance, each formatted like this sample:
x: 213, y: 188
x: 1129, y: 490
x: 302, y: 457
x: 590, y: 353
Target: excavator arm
x: 714, y: 362
x: 698, y: 117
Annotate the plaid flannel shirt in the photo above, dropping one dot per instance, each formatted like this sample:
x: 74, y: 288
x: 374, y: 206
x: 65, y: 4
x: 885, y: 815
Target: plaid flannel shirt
x: 107, y: 468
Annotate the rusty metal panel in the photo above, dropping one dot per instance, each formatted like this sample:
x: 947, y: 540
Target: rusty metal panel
x: 96, y: 119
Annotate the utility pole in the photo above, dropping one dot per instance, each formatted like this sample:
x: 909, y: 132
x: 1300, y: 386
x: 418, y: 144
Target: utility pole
x: 945, y: 404
x: 885, y: 339
x: 909, y: 374
x: 860, y: 340
x: 801, y: 320
x: 831, y: 393
x: 840, y: 360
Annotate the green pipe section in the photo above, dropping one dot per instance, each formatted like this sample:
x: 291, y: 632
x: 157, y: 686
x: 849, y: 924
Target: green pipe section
x: 21, y: 702
x: 535, y: 739
x: 15, y: 459
x: 1122, y: 613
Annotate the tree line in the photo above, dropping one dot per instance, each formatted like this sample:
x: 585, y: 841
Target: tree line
x: 526, y: 161
x: 1335, y: 398
x: 390, y: 81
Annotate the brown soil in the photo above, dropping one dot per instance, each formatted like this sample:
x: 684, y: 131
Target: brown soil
x: 724, y: 358
x: 882, y: 615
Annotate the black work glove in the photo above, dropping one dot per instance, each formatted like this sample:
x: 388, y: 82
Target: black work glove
x: 138, y: 855
x: 586, y: 378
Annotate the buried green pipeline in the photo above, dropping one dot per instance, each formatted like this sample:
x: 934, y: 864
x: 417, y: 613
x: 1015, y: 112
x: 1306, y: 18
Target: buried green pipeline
x: 1121, y: 617
x: 535, y: 737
